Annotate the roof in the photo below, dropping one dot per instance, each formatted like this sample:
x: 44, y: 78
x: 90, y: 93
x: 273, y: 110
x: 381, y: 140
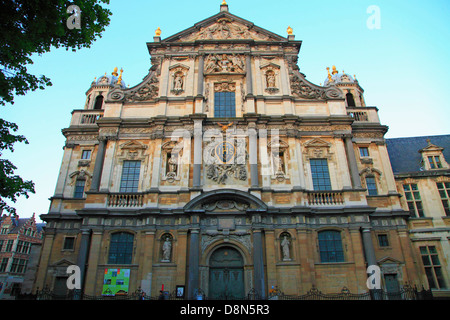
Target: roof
x: 404, y: 152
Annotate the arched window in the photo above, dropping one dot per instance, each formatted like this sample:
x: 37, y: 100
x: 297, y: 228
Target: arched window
x: 121, y: 248
x: 98, y: 103
x: 350, y: 100
x: 330, y: 246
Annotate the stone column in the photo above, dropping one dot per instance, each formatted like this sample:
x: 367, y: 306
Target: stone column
x: 368, y: 247
x: 83, y: 254
x: 64, y: 172
x: 201, y: 66
x: 193, y: 276
x: 198, y: 137
x: 258, y: 263
x: 249, y: 76
x: 98, y: 167
x: 351, y: 159
x: 147, y: 261
x: 253, y: 149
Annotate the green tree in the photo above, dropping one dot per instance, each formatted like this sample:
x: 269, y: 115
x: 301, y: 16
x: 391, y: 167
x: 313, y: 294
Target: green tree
x: 30, y: 27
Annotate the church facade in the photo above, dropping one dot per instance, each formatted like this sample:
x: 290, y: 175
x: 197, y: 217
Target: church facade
x: 225, y: 170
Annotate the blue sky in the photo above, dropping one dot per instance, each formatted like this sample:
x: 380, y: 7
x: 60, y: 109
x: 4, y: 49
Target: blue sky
x: 403, y: 66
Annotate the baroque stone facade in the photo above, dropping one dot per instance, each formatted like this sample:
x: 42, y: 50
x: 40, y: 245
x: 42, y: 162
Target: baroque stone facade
x: 225, y: 168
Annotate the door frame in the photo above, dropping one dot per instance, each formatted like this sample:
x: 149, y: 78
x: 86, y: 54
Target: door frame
x: 205, y: 265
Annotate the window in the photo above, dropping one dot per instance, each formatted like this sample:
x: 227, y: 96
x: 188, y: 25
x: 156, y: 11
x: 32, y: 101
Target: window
x: 350, y: 100
x: 14, y: 265
x: 4, y: 264
x: 130, y: 176
x: 224, y: 104
x: 9, y: 245
x: 371, y: 186
x: 69, y: 243
x: 22, y: 266
x: 26, y: 247
x: 413, y: 199
x: 320, y: 174
x: 364, y: 151
x: 121, y: 248
x: 330, y: 246
x: 383, y: 240
x: 19, y: 246
x: 432, y: 266
x: 435, y: 162
x: 86, y: 154
x: 79, y: 189
x: 1, y: 244
x: 444, y: 191
x: 98, y: 103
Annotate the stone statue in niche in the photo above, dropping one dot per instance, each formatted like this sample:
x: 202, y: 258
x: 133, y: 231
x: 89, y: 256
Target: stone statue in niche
x: 178, y: 83
x: 166, y: 249
x: 172, y: 166
x: 285, y: 246
x: 270, y: 78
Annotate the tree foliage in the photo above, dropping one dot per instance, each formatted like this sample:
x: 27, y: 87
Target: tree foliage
x: 30, y: 27
x: 11, y: 186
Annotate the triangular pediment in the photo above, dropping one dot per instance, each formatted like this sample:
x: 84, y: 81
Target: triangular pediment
x: 224, y: 26
x: 133, y: 145
x: 317, y: 143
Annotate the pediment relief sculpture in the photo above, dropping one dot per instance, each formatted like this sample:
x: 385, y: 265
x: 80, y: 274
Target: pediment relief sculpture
x: 133, y: 150
x: 224, y: 29
x: 224, y: 63
x: 318, y: 148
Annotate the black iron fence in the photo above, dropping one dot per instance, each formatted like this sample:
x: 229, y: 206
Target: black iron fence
x: 407, y: 292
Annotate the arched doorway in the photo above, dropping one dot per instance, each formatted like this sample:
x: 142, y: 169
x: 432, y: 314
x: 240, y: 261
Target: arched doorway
x: 226, y: 274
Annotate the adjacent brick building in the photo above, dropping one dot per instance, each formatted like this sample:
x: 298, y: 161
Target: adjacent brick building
x: 17, y: 236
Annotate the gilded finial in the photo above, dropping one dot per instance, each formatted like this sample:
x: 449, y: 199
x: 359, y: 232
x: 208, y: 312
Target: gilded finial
x: 158, y: 32
x: 334, y: 70
x: 119, y: 81
x: 224, y: 2
x: 114, y: 73
x: 290, y: 31
x: 329, y: 75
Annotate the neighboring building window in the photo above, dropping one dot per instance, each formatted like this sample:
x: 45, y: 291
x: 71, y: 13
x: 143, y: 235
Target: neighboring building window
x: 432, y: 266
x: 19, y: 246
x: 5, y: 230
x: 69, y: 243
x: 330, y: 246
x: 86, y: 154
x: 4, y: 264
x: 121, y: 248
x: 22, y: 266
x: 130, y: 176
x: 444, y: 191
x: 435, y: 162
x: 320, y: 174
x: 1, y: 244
x: 15, y: 263
x: 414, y: 200
x: 79, y: 189
x: 9, y: 245
x: 224, y: 104
x: 364, y: 151
x: 371, y: 186
x: 26, y: 247
x: 383, y: 240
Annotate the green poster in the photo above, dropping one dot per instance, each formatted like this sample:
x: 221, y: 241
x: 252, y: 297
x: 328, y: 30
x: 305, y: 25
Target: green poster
x: 116, y: 282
